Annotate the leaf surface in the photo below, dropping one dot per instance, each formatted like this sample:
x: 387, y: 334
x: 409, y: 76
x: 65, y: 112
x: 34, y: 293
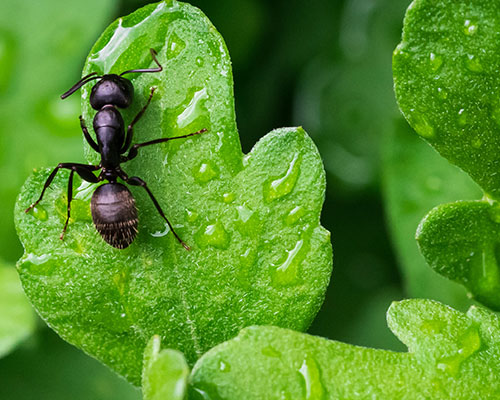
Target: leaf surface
x: 259, y: 254
x: 447, y: 86
x: 451, y: 355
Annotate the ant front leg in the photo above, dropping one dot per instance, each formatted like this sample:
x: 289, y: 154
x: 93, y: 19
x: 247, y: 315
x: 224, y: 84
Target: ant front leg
x: 83, y: 170
x: 136, y: 181
x: 86, y: 133
x: 130, y: 129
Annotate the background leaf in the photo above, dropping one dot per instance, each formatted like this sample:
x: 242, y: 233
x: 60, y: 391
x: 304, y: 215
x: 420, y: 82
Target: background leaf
x: 451, y: 355
x: 258, y: 253
x: 164, y: 374
x: 17, y: 319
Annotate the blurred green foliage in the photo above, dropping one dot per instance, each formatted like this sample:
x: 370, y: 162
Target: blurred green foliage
x: 323, y: 64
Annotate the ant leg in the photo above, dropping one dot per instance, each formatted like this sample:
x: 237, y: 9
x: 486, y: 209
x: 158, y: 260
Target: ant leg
x: 86, y: 133
x: 70, y: 197
x: 130, y: 129
x: 136, y: 181
x: 84, y: 170
x: 133, y: 150
x: 153, y: 55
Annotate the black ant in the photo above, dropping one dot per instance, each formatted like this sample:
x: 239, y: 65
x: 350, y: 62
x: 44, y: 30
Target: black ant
x: 112, y: 205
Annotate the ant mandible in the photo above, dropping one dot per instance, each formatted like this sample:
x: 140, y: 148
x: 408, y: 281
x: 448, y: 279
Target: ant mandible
x: 112, y: 205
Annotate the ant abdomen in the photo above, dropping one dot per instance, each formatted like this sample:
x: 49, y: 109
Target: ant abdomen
x: 114, y: 214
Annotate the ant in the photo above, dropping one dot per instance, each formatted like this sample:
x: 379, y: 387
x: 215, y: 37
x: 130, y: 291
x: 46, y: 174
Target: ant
x: 112, y: 205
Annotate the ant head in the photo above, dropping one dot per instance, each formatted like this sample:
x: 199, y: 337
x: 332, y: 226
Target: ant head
x: 112, y: 89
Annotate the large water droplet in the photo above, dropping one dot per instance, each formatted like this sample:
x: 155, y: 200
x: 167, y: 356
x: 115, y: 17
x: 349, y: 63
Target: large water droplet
x: 247, y: 221
x: 228, y: 197
x: 435, y: 61
x: 224, y: 366
x: 213, y: 235
x: 310, y: 372
x: 421, y: 124
x: 39, y: 212
x: 473, y: 64
x: 467, y: 344
x: 194, y: 109
x: 294, y: 215
x: 175, y: 46
x: 38, y: 265
x: 462, y: 117
x: 205, y: 172
x: 470, y: 27
x: 281, y: 186
x: 287, y: 272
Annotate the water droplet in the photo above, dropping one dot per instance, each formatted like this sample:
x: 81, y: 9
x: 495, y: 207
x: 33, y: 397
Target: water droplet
x: 432, y: 326
x: 421, y: 125
x: 462, y: 117
x: 228, y: 197
x: 435, y: 61
x: 205, y: 172
x: 194, y: 109
x: 120, y: 280
x: 247, y: 222
x: 175, y: 46
x: 442, y: 93
x: 294, y: 215
x: 287, y: 272
x: 476, y: 143
x: 494, y: 212
x: 270, y: 351
x: 38, y: 265
x: 199, y: 61
x: 162, y: 233
x: 309, y: 370
x: 467, y: 344
x: 191, y: 216
x: 224, y: 366
x: 39, y: 213
x: 213, y: 235
x: 281, y: 186
x: 470, y: 28
x: 473, y: 64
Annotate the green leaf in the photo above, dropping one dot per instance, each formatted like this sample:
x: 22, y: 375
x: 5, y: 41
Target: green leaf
x: 451, y: 356
x: 42, y: 45
x: 164, y: 374
x: 17, y: 320
x: 259, y: 254
x: 416, y: 179
x: 447, y: 82
x: 447, y: 85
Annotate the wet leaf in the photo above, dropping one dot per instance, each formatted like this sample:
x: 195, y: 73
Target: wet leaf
x: 165, y: 373
x: 17, y: 319
x: 447, y: 85
x: 259, y: 254
x: 416, y: 179
x: 451, y: 355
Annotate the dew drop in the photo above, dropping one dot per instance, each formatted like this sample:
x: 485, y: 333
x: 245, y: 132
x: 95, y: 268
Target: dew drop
x: 247, y: 221
x: 477, y: 143
x: 120, y: 281
x: 228, y: 197
x: 191, y: 216
x: 270, y: 351
x: 473, y: 64
x: 432, y: 326
x: 276, y: 188
x: 175, y: 46
x: 421, y: 124
x: 310, y: 372
x: 462, y: 117
x: 442, y: 93
x: 194, y: 109
x: 287, y: 273
x: 205, y: 172
x: 38, y: 265
x: 224, y: 366
x: 470, y: 28
x: 294, y: 215
x: 199, y: 61
x: 467, y: 344
x: 162, y: 233
x: 435, y: 61
x: 213, y: 235
x: 39, y: 212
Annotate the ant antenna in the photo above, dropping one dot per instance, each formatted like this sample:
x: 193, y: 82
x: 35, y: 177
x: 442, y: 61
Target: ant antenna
x: 80, y: 83
x: 153, y: 55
